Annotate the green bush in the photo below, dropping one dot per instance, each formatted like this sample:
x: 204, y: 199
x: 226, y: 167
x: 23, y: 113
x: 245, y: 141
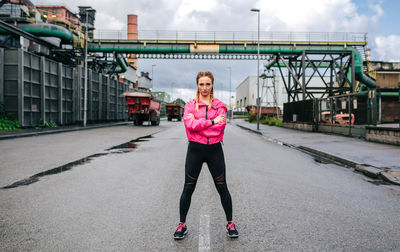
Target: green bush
x: 46, y: 124
x: 252, y: 118
x: 271, y: 121
x: 264, y: 120
x: 6, y: 124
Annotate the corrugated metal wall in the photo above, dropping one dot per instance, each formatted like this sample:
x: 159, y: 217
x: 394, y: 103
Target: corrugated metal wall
x: 35, y: 89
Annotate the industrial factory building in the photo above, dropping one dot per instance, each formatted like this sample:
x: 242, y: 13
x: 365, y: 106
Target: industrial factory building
x: 43, y: 62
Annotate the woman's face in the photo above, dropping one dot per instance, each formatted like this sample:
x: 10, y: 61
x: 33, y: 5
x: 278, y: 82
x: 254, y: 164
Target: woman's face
x: 204, y: 85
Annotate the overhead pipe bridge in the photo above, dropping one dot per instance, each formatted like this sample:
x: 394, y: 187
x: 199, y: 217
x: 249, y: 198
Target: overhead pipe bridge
x: 340, y: 59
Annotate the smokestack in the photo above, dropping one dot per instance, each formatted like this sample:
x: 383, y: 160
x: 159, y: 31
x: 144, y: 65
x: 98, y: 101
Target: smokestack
x: 132, y: 34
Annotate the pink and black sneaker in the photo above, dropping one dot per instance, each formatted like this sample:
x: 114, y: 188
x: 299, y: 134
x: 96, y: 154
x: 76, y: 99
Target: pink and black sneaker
x: 180, y: 231
x: 231, y: 229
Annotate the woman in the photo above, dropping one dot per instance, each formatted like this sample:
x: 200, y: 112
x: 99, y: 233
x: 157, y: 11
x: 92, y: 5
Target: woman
x: 205, y: 122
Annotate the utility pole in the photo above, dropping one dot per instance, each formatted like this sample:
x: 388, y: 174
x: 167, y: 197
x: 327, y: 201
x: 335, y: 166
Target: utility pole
x: 86, y: 71
x: 258, y: 69
x: 230, y: 95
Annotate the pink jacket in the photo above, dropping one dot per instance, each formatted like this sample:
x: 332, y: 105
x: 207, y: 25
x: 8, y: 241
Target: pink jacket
x: 200, y: 129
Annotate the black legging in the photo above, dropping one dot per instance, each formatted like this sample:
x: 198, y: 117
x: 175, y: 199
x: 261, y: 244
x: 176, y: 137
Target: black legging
x: 213, y: 155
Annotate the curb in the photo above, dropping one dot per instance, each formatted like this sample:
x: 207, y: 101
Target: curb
x: 329, y: 156
x: 389, y: 177
x: 367, y: 170
x: 245, y: 128
x: 49, y: 132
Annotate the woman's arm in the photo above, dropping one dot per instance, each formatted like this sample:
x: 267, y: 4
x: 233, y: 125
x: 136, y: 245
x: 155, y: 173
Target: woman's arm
x: 216, y: 129
x: 193, y: 124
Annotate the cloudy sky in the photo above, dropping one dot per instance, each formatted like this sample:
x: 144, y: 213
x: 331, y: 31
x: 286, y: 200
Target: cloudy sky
x: 379, y: 18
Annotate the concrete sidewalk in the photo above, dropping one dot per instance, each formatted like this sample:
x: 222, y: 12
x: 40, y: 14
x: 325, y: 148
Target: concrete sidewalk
x: 8, y: 134
x: 372, y: 159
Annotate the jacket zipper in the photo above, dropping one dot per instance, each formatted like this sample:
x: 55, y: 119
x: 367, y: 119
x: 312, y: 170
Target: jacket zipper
x: 207, y: 119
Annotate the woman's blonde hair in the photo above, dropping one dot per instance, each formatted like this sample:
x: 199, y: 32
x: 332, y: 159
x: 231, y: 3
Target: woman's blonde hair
x: 211, y: 76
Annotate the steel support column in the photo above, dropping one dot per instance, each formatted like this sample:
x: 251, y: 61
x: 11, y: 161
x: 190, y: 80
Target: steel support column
x: 43, y: 89
x: 303, y: 64
x: 60, y: 94
x: 21, y: 117
x: 1, y: 76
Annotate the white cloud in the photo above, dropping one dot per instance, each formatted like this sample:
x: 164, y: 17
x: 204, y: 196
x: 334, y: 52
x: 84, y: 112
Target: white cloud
x: 387, y: 48
x: 315, y: 15
x: 109, y: 22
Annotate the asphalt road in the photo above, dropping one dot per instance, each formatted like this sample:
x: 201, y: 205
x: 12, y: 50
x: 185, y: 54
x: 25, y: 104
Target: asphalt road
x: 127, y: 199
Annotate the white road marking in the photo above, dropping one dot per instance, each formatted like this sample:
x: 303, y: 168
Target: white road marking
x: 204, y: 233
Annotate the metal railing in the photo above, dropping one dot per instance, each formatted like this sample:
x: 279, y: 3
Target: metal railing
x: 250, y: 36
x: 348, y: 109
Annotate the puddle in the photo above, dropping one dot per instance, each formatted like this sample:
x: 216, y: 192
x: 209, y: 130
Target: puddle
x: 63, y: 168
x: 118, y: 149
x: 131, y: 144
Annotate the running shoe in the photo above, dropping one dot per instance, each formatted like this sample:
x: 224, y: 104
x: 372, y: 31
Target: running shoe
x: 231, y: 229
x: 180, y: 231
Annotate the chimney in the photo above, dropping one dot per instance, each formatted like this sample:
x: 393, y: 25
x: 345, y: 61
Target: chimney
x: 132, y: 34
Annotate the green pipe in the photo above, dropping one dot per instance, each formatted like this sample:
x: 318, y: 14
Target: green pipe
x: 271, y: 63
x: 122, y: 68
x: 138, y: 48
x: 384, y: 94
x: 363, y: 88
x: 48, y: 30
x: 390, y: 94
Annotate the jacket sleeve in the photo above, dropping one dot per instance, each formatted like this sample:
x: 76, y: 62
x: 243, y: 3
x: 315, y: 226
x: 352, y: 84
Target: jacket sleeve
x: 194, y: 124
x: 216, y: 129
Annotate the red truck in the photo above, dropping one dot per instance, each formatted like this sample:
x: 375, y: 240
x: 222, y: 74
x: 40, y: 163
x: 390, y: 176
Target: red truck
x: 341, y: 119
x: 143, y: 107
x: 174, y: 111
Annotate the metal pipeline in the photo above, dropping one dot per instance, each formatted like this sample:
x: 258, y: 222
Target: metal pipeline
x: 383, y: 94
x: 122, y: 68
x: 48, y: 30
x: 272, y: 63
x: 229, y: 49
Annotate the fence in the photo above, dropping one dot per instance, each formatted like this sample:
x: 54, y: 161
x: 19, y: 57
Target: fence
x: 35, y: 89
x: 348, y: 113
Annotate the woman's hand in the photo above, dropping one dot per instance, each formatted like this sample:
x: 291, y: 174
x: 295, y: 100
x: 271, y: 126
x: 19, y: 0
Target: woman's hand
x: 190, y: 116
x: 220, y: 119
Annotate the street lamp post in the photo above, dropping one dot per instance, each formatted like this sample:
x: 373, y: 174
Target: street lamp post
x: 258, y: 69
x: 152, y: 73
x: 230, y: 95
x: 86, y: 70
x: 172, y: 90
